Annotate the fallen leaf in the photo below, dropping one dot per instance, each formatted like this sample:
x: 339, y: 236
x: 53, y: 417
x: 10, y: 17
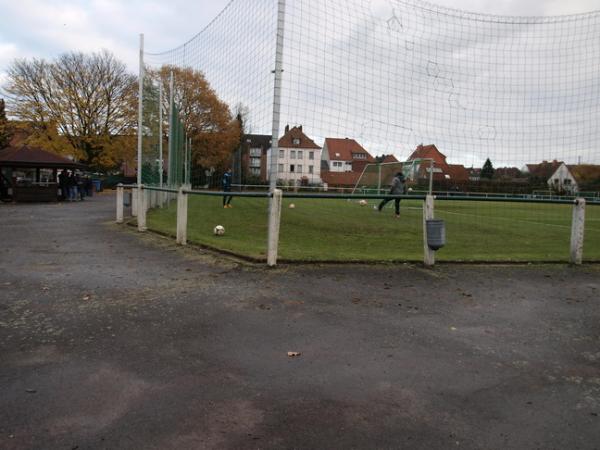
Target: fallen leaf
x: 293, y: 354
x: 86, y: 297
x: 453, y: 328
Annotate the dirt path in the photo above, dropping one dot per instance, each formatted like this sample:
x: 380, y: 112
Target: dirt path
x: 110, y: 339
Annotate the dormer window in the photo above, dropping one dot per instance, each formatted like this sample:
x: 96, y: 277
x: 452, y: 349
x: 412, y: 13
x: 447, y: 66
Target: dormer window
x: 296, y: 141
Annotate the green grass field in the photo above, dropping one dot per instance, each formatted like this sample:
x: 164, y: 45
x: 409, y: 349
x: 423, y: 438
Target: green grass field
x: 339, y: 230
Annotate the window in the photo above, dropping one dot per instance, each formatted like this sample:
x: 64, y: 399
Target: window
x: 282, y: 154
x: 299, y: 154
x: 280, y: 168
x: 255, y: 171
x: 567, y: 181
x: 299, y: 168
x: 337, y: 164
x: 255, y: 152
x: 296, y: 141
x: 310, y: 169
x: 292, y: 154
x: 254, y: 162
x: 359, y: 156
x: 311, y: 155
x: 291, y: 168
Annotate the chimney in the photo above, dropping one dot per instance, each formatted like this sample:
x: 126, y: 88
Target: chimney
x: 300, y: 127
x: 287, y: 128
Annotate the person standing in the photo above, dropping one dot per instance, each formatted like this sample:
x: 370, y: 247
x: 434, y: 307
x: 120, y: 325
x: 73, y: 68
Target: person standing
x: 62, y: 184
x: 398, y: 188
x: 226, y: 185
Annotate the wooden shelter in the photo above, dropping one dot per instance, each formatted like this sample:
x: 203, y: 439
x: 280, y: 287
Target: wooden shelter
x: 30, y: 174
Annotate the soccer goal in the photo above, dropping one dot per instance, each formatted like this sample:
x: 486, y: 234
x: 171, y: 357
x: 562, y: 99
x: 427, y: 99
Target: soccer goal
x: 376, y: 178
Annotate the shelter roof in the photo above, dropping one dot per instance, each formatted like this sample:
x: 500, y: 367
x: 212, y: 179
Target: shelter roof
x: 26, y: 156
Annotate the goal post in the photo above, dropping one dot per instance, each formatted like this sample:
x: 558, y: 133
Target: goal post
x: 377, y: 177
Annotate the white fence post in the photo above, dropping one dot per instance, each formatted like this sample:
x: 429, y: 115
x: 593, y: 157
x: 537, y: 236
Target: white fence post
x: 119, y: 203
x: 182, y: 216
x: 142, y: 207
x: 577, y: 231
x: 428, y: 208
x: 134, y: 201
x: 274, y: 221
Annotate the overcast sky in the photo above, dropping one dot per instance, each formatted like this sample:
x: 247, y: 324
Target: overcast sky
x: 46, y: 28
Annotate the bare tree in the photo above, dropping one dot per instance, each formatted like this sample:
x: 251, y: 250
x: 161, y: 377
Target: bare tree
x: 89, y: 99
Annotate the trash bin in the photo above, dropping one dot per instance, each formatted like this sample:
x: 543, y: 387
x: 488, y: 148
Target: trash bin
x: 97, y: 185
x: 126, y: 198
x: 436, y: 233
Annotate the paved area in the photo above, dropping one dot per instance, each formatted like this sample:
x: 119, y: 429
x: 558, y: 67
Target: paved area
x: 114, y: 340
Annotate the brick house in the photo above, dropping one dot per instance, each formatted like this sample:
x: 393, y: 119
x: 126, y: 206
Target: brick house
x: 442, y: 171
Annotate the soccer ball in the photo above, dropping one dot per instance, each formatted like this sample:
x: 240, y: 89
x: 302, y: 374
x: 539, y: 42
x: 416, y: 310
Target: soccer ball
x: 219, y: 230
x: 292, y: 206
x: 362, y: 202
x: 409, y: 189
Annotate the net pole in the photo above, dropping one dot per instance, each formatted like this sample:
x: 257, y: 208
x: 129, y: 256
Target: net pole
x: 189, y: 161
x: 160, y: 135
x: 430, y: 177
x: 185, y: 159
x: 378, y: 178
x: 170, y: 151
x: 277, y: 94
x: 140, y: 112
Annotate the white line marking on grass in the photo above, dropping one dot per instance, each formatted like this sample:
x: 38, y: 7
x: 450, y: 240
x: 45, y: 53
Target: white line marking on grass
x: 504, y: 218
x: 511, y: 219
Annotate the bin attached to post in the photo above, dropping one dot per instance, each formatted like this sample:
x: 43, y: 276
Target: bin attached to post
x: 97, y: 185
x: 127, y: 198
x: 436, y: 233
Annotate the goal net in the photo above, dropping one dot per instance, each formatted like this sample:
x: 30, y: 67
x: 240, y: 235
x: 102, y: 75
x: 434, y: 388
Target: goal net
x: 376, y: 178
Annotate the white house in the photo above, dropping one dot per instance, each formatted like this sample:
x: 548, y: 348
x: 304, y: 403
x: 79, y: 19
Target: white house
x: 299, y: 158
x: 562, y: 180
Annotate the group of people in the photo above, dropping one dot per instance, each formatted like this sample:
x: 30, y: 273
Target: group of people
x: 74, y: 187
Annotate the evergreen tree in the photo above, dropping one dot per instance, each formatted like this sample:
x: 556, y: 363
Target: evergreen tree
x: 4, y: 126
x: 488, y: 170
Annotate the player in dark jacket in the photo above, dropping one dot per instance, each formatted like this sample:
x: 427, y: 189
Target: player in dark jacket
x: 398, y: 188
x: 226, y: 185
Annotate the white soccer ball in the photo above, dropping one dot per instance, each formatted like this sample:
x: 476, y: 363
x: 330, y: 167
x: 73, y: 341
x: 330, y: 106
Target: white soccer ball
x: 409, y: 189
x: 292, y: 206
x: 362, y: 202
x: 219, y: 230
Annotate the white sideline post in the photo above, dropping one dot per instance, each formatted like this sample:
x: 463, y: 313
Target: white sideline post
x: 428, y: 208
x: 142, y: 208
x: 119, y: 203
x: 182, y: 216
x: 274, y: 221
x: 134, y: 201
x: 577, y: 231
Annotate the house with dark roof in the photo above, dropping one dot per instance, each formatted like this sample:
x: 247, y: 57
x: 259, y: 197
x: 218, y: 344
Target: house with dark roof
x: 442, y: 171
x: 255, y: 148
x: 299, y: 158
x: 542, y: 171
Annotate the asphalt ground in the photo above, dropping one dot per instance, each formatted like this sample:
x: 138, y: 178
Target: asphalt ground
x: 111, y: 339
